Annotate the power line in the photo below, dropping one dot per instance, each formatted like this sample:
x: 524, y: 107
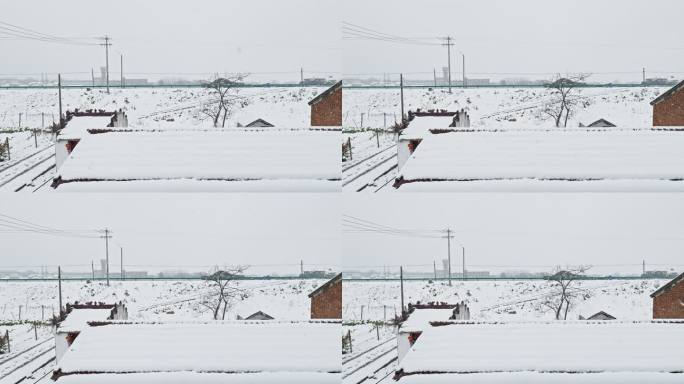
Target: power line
x: 15, y: 225
x: 11, y: 31
x: 357, y: 32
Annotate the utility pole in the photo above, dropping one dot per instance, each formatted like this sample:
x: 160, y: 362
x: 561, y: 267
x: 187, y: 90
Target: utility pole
x: 434, y: 76
x: 92, y: 77
x: 449, y: 44
x: 122, y: 270
x: 643, y: 74
x: 59, y: 279
x: 464, y: 267
x: 401, y: 279
x: 107, y: 44
x: 434, y: 267
x: 301, y: 267
x: 301, y: 76
x: 465, y: 79
x: 401, y: 85
x: 122, y: 76
x: 643, y: 268
x: 59, y: 86
x: 107, y: 236
x: 92, y: 268
x: 449, y: 252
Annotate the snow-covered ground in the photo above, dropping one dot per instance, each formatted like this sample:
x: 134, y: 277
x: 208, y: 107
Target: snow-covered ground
x: 177, y: 109
x: 369, y: 306
x: 165, y: 300
x: 158, y: 300
x: 488, y: 108
x: 502, y: 107
x: 158, y: 108
x: 502, y: 300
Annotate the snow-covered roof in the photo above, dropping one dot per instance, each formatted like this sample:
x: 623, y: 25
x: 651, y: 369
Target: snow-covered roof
x: 420, y: 126
x: 205, y: 378
x: 560, y: 346
x: 78, y: 318
x: 550, y: 156
x: 210, y: 347
x: 78, y: 126
x: 546, y: 378
x: 421, y: 318
x: 297, y: 156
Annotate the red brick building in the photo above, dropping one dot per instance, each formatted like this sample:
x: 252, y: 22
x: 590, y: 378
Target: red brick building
x: 668, y: 300
x: 326, y: 108
x: 668, y: 108
x: 326, y: 300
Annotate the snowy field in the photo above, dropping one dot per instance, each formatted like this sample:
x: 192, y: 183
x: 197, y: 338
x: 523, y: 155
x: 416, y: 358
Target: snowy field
x: 158, y: 108
x: 158, y: 300
x: 500, y: 107
x: 505, y: 300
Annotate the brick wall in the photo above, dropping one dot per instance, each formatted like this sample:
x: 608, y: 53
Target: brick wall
x: 328, y: 111
x: 670, y: 304
x: 670, y: 112
x: 328, y: 303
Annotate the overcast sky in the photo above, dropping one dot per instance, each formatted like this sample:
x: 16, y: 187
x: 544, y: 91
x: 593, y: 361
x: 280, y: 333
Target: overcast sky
x: 261, y: 230
x: 178, y: 36
x: 521, y: 229
x: 521, y: 36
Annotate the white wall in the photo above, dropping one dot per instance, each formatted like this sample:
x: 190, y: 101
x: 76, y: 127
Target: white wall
x: 61, y: 152
x: 61, y: 344
x: 403, y: 152
x: 403, y: 345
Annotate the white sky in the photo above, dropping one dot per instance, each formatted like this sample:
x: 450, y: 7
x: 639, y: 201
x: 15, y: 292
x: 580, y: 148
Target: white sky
x: 528, y: 36
x: 179, y: 229
x: 178, y: 36
x: 527, y: 229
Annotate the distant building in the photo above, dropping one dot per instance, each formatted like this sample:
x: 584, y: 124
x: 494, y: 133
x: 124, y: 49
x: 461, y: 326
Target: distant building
x: 259, y: 315
x: 259, y: 123
x: 601, y: 316
x: 316, y: 81
x: 601, y: 123
x: 326, y: 300
x: 326, y: 108
x: 668, y: 108
x: 668, y: 300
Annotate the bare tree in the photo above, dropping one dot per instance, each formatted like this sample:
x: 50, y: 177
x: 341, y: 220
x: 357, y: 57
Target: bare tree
x: 225, y: 289
x: 565, y: 97
x: 224, y: 94
x: 564, y: 280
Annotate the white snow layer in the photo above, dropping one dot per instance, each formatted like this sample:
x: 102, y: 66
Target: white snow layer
x: 244, y: 155
x: 78, y: 318
x: 205, y: 347
x: 78, y: 126
x: 421, y: 318
x: 577, y: 346
x: 549, y: 155
x: 547, y: 378
x: 202, y: 378
x: 420, y: 126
